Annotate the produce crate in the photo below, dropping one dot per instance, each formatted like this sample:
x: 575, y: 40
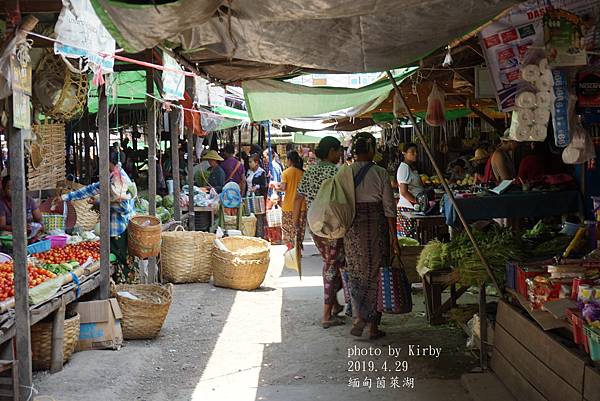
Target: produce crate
x: 593, y: 336
x: 577, y: 324
x: 524, y: 272
x: 39, y: 247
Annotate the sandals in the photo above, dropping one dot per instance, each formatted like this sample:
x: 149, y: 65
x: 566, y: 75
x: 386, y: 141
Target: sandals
x: 337, y: 310
x: 358, y: 328
x: 331, y: 323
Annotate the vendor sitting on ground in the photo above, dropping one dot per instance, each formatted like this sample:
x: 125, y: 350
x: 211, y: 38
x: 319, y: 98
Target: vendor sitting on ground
x: 32, y: 211
x: 216, y: 178
x: 122, y: 194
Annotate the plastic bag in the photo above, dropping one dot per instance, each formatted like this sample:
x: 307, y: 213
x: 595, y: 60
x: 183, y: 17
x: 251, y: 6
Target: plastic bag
x: 581, y: 149
x: 290, y: 259
x: 332, y: 212
x: 435, y: 107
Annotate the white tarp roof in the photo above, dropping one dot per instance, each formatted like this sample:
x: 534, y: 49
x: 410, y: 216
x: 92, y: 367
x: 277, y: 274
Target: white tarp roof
x: 334, y: 35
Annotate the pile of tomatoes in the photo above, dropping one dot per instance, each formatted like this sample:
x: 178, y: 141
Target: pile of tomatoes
x: 76, y: 252
x: 36, y: 276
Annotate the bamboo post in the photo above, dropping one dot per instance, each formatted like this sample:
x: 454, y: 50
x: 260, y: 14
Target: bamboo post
x: 103, y: 175
x: 417, y: 129
x: 151, y: 136
x: 176, y: 127
x: 190, y: 179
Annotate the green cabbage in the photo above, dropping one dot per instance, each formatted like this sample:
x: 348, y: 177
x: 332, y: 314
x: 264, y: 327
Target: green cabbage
x: 168, y: 201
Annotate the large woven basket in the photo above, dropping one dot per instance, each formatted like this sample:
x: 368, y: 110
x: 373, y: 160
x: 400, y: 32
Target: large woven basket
x: 144, y: 317
x: 247, y: 224
x: 41, y: 342
x: 185, y: 256
x: 243, y: 266
x: 143, y: 236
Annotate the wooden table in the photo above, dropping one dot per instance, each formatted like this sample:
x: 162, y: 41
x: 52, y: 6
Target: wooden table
x: 428, y: 227
x: 199, y: 211
x: 55, y: 305
x: 434, y: 283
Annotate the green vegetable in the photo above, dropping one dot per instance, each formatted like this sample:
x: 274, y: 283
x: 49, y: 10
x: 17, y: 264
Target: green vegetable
x: 163, y: 214
x: 432, y: 257
x: 406, y: 241
x: 499, y: 245
x: 159, y: 200
x: 168, y: 201
x: 141, y: 205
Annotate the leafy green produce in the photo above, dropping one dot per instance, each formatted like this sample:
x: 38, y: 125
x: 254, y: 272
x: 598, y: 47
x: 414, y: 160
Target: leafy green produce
x: 406, y: 241
x: 141, y: 205
x: 431, y: 257
x: 497, y: 244
x: 168, y: 201
x: 553, y: 247
x: 159, y: 200
x: 538, y: 230
x: 163, y: 214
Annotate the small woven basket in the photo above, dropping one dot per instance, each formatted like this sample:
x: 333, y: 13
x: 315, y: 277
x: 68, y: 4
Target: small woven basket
x: 143, y: 236
x: 243, y: 266
x: 143, y: 317
x: 185, y: 256
x: 41, y: 342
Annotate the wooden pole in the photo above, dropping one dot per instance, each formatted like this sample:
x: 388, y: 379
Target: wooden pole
x: 482, y: 328
x: 190, y: 179
x: 87, y: 143
x: 103, y: 175
x: 58, y: 334
x: 176, y: 130
x: 439, y: 173
x: 19, y: 230
x: 151, y: 137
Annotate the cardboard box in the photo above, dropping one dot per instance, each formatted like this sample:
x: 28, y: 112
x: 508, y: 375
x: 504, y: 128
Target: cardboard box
x: 100, y: 325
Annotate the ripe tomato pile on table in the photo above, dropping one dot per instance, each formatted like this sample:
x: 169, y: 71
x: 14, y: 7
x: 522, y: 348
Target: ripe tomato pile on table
x: 76, y: 252
x: 36, y: 276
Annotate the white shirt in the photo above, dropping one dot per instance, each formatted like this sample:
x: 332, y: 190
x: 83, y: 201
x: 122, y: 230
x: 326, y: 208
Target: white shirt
x: 406, y: 175
x: 249, y: 177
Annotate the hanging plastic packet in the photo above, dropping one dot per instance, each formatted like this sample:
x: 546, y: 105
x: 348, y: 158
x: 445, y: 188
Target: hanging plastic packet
x: 435, y: 107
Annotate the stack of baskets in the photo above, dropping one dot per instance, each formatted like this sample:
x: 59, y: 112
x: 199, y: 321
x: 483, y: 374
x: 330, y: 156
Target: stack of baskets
x: 241, y: 263
x: 143, y: 236
x: 41, y: 342
x: 185, y: 256
x: 143, y: 317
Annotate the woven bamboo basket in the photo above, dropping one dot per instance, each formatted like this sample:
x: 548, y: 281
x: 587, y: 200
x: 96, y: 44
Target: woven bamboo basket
x: 144, y: 317
x: 243, y: 266
x: 247, y: 224
x: 185, y: 256
x: 41, y: 342
x: 143, y: 236
x: 47, y: 158
x: 85, y: 216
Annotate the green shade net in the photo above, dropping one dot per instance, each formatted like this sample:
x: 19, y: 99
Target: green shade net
x: 268, y: 99
x: 131, y: 89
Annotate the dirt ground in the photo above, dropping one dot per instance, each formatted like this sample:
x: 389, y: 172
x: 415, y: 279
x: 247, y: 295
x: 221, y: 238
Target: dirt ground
x: 219, y: 344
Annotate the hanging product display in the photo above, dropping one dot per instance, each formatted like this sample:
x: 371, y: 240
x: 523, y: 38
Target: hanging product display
x: 532, y: 105
x: 435, y: 107
x: 564, y: 39
x: 562, y: 108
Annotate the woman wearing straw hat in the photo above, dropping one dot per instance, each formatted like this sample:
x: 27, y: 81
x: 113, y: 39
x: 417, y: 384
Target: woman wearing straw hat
x: 478, y: 161
x: 216, y: 178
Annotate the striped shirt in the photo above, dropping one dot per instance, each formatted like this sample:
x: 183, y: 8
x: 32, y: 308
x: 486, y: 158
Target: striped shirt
x: 120, y: 212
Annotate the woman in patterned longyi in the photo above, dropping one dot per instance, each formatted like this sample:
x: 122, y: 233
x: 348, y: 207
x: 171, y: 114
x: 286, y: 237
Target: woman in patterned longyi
x: 329, y: 152
x: 371, y: 237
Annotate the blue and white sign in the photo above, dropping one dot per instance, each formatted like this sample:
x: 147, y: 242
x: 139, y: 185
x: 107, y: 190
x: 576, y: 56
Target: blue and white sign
x: 173, y: 82
x: 81, y: 34
x: 560, y: 109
